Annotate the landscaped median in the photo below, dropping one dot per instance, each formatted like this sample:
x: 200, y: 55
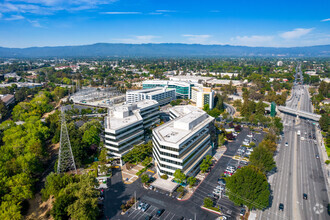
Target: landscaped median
x: 213, y: 210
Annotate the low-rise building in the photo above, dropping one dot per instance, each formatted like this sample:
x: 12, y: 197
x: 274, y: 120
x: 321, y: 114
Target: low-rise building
x: 183, y: 142
x: 163, y: 95
x: 125, y: 125
x: 7, y: 99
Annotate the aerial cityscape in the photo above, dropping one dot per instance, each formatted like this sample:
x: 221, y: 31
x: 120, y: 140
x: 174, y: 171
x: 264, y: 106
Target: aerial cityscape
x: 164, y: 110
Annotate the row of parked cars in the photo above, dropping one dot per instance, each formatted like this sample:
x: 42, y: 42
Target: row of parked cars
x: 144, y: 207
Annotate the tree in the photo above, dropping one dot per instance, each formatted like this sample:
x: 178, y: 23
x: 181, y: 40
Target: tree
x: 260, y: 108
x: 191, y: 181
x: 204, y: 166
x: 324, y: 122
x: 208, y: 202
x: 262, y: 158
x: 60, y: 207
x: 230, y: 136
x: 54, y: 183
x: 248, y: 186
x: 206, y: 107
x: 180, y: 189
x: 145, y: 178
x: 179, y: 176
x: 269, y: 144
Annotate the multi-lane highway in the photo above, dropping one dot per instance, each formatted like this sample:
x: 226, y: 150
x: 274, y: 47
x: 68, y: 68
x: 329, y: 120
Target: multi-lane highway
x: 299, y: 170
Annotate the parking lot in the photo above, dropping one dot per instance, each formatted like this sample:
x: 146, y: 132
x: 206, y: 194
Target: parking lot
x: 138, y: 214
x: 119, y: 193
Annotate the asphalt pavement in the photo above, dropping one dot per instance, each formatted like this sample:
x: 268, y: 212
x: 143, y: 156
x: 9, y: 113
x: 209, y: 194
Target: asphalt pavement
x: 118, y: 193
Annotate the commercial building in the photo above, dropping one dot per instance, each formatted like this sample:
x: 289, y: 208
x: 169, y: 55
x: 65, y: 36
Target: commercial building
x: 7, y: 99
x: 163, y: 95
x: 184, y: 141
x: 202, y: 96
x: 125, y: 125
x: 182, y: 89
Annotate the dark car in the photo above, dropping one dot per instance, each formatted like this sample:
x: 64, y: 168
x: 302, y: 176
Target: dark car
x: 242, y: 212
x: 148, y: 217
x: 180, y: 218
x: 160, y: 212
x: 281, y: 207
x: 305, y: 196
x: 222, y: 181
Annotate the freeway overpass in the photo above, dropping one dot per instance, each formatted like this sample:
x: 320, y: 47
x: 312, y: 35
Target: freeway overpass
x: 302, y: 114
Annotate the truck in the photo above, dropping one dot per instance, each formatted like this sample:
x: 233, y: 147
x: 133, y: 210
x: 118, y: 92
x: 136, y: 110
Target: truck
x: 298, y: 132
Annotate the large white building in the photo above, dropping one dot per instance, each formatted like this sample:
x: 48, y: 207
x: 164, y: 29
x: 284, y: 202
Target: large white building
x: 125, y: 125
x: 202, y: 96
x: 163, y: 95
x: 183, y: 142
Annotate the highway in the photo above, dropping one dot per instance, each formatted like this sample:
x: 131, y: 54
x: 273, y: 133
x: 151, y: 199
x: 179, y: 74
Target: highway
x: 298, y: 169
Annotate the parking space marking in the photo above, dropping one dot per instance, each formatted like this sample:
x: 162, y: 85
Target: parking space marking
x: 172, y: 216
x: 166, y: 215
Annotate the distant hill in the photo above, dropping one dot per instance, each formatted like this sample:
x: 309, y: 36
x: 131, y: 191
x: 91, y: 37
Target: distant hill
x: 162, y: 50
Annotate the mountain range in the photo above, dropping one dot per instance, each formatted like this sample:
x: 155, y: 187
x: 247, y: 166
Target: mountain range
x: 162, y: 50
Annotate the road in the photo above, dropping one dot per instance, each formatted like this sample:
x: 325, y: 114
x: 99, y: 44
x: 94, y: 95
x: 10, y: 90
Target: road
x: 298, y: 169
x: 230, y: 109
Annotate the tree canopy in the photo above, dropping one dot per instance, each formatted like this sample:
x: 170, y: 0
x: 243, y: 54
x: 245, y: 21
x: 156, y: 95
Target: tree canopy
x: 248, y: 186
x: 262, y: 158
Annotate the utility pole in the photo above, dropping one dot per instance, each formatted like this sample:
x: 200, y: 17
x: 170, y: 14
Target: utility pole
x: 65, y: 156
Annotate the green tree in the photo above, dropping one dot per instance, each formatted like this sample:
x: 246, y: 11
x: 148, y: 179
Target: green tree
x: 9, y: 210
x: 269, y: 144
x: 248, y: 186
x: 324, y: 122
x: 144, y: 178
x: 60, y: 207
x: 262, y: 158
x: 208, y: 202
x: 191, y: 181
x: 179, y: 176
x: 204, y: 166
x: 260, y: 108
x: 180, y: 189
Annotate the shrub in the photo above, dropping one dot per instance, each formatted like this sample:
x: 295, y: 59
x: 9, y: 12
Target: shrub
x: 327, y: 162
x: 164, y: 176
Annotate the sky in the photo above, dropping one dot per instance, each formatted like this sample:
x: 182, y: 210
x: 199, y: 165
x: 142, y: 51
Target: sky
x: 281, y: 23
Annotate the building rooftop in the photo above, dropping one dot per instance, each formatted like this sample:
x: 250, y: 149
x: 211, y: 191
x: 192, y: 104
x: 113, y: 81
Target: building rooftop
x: 166, y: 82
x: 176, y: 131
x: 124, y: 115
x: 152, y: 91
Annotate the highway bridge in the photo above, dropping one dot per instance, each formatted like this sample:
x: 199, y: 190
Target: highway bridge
x: 302, y: 114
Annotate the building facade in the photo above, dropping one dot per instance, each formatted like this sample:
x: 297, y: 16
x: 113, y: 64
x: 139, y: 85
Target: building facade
x: 182, y: 89
x: 163, y: 95
x: 125, y: 125
x: 183, y: 142
x: 202, y: 96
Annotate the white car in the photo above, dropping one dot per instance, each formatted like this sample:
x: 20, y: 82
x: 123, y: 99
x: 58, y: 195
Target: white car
x: 250, y: 135
x: 220, y: 188
x: 141, y: 205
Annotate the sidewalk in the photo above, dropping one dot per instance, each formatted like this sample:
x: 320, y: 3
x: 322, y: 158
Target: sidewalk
x: 201, y: 176
x: 129, y: 175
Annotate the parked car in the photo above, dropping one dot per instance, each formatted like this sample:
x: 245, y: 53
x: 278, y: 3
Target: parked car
x: 286, y: 144
x: 160, y: 212
x: 250, y: 135
x: 317, y: 156
x: 220, y: 187
x: 148, y: 217
x: 145, y: 207
x: 141, y: 205
x: 222, y: 181
x: 242, y: 212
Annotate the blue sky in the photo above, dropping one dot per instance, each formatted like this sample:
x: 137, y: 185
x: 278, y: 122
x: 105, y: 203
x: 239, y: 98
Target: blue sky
x: 26, y: 23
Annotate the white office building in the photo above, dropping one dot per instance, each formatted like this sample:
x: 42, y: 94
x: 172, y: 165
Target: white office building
x: 125, y: 125
x: 202, y: 96
x: 163, y: 95
x: 183, y: 142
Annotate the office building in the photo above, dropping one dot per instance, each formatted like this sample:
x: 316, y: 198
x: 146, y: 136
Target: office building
x: 202, y: 96
x: 125, y: 125
x: 184, y: 141
x: 182, y: 89
x: 163, y: 95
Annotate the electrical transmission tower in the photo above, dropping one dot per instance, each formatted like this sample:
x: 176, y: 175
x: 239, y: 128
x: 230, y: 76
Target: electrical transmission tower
x: 65, y: 156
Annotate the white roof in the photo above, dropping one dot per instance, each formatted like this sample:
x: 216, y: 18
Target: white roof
x: 125, y: 115
x: 190, y: 121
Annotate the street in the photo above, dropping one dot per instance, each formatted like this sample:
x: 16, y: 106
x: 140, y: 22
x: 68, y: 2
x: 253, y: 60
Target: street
x: 299, y: 170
